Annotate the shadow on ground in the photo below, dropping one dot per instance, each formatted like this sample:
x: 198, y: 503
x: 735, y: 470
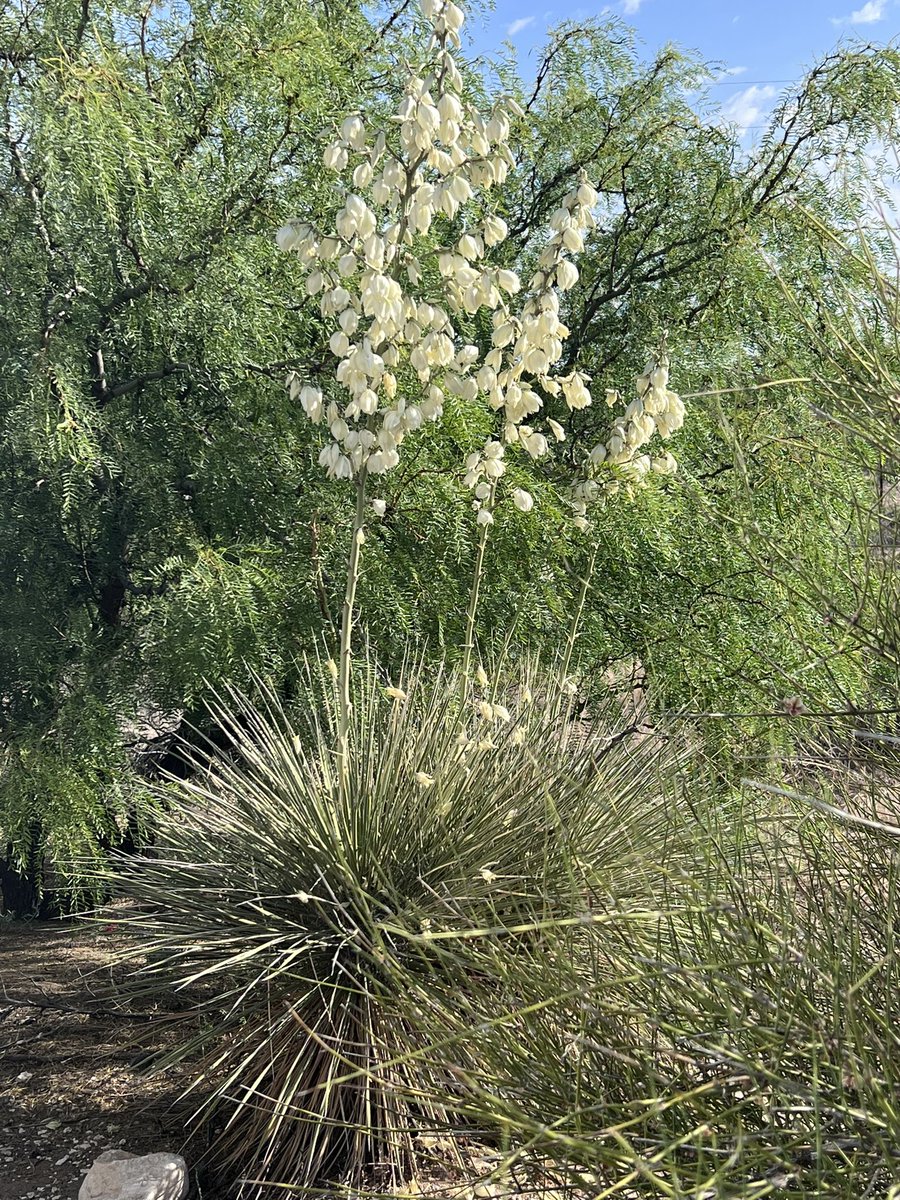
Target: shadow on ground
x: 69, y: 1083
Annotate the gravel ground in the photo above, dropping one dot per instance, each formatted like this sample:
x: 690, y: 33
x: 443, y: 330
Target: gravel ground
x: 69, y: 1085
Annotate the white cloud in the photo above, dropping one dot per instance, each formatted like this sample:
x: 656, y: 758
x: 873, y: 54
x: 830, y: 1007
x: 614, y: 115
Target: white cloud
x: 729, y: 72
x: 518, y: 26
x: 871, y: 11
x: 747, y: 107
x: 630, y: 7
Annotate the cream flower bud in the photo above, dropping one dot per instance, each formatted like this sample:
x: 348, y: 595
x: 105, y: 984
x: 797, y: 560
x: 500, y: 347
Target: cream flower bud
x: 574, y: 389
x: 566, y: 275
x: 497, y: 128
x: 468, y: 246
x: 535, y: 444
x: 508, y: 281
x: 287, y: 237
x: 353, y: 132
x: 666, y: 464
x: 460, y: 189
x: 523, y: 500
x: 503, y: 334
x: 348, y: 321
x: 374, y: 251
x: 449, y: 107
x: 586, y: 195
x: 659, y: 377
x: 486, y: 378
x: 362, y: 175
x: 572, y: 240
x: 335, y: 157
x: 311, y: 402
x: 557, y: 430
x: 495, y: 230
x: 485, y: 517
x: 454, y: 17
x: 379, y: 507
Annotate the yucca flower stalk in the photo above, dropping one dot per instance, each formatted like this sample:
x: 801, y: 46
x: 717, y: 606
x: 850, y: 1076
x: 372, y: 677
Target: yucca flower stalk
x: 396, y: 297
x: 622, y: 464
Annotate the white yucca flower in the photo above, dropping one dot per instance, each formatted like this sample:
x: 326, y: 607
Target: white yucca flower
x: 623, y: 460
x: 394, y: 338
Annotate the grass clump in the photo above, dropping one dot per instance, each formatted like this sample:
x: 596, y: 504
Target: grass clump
x: 745, y: 1043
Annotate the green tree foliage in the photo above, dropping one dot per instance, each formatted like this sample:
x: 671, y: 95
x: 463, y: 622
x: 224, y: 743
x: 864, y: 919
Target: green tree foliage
x: 150, y: 472
x: 163, y: 521
x: 693, y: 234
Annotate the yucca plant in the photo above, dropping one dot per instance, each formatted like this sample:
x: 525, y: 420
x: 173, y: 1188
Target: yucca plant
x: 314, y: 923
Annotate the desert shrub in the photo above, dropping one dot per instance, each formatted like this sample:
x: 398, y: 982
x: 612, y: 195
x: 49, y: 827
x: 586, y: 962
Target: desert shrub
x: 317, y: 919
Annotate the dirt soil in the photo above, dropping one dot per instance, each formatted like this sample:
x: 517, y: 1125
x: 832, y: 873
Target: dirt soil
x: 69, y: 1083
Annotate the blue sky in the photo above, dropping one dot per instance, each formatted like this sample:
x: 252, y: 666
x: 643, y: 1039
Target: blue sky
x: 764, y: 44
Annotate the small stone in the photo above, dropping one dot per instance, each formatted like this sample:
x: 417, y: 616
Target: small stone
x: 118, y: 1175
x: 24, y: 1077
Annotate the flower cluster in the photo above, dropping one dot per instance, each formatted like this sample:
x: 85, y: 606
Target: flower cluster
x: 400, y: 354
x: 623, y: 461
x: 517, y: 370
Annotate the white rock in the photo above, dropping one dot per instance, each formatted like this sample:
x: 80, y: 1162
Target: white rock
x: 118, y: 1175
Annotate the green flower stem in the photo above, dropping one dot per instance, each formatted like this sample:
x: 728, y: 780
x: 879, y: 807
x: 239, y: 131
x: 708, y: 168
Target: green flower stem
x: 469, y: 644
x: 577, y: 614
x: 344, y: 701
